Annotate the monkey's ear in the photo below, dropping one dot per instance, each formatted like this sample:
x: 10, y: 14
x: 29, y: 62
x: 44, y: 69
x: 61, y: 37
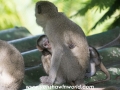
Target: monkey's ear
x: 39, y: 9
x: 56, y: 8
x: 40, y: 49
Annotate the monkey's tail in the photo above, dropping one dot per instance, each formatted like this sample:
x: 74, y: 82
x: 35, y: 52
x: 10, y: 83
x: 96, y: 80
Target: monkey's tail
x: 103, y: 69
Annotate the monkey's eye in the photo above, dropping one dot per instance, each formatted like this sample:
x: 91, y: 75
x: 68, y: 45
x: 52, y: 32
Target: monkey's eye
x: 39, y: 9
x: 45, y: 45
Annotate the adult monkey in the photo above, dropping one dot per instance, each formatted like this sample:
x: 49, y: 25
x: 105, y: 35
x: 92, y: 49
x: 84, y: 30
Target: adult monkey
x: 11, y: 67
x: 61, y: 32
x: 44, y: 46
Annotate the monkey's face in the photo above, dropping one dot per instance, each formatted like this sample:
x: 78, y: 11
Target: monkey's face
x: 46, y: 44
x: 43, y: 44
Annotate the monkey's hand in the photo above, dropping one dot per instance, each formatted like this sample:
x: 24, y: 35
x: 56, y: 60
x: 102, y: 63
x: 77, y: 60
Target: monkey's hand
x: 45, y: 80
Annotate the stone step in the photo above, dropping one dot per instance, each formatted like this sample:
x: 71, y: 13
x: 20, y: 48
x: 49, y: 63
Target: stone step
x: 14, y: 33
x: 97, y: 40
x: 32, y: 58
x: 25, y: 44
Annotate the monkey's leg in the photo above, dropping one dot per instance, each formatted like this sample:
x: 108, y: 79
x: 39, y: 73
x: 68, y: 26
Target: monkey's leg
x: 103, y: 68
x: 43, y: 78
x: 60, y: 79
x: 92, y: 70
x: 55, y: 63
x: 80, y: 82
x: 73, y: 84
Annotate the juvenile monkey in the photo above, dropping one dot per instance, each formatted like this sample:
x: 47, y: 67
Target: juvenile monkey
x: 43, y: 46
x: 43, y: 43
x: 61, y: 31
x: 116, y: 41
x: 95, y: 59
x: 11, y: 67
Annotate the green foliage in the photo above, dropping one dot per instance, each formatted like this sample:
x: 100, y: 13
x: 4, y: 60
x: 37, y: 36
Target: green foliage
x: 101, y: 4
x: 112, y: 12
x: 94, y: 16
x: 9, y: 17
x: 87, y: 13
x: 110, y: 58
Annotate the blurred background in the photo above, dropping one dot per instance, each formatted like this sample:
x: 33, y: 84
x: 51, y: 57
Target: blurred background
x: 94, y: 16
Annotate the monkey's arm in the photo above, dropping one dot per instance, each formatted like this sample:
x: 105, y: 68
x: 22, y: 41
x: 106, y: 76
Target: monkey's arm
x: 55, y: 63
x: 46, y: 62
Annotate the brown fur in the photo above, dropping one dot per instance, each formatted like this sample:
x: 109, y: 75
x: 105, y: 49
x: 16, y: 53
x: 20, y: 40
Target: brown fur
x: 60, y: 31
x: 46, y: 62
x: 45, y: 58
x: 46, y: 54
x: 95, y: 60
x: 11, y: 67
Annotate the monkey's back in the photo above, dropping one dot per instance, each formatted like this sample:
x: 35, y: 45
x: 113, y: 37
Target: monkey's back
x: 64, y: 31
x: 11, y: 67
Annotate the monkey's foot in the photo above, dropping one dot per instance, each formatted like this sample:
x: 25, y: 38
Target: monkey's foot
x: 45, y: 80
